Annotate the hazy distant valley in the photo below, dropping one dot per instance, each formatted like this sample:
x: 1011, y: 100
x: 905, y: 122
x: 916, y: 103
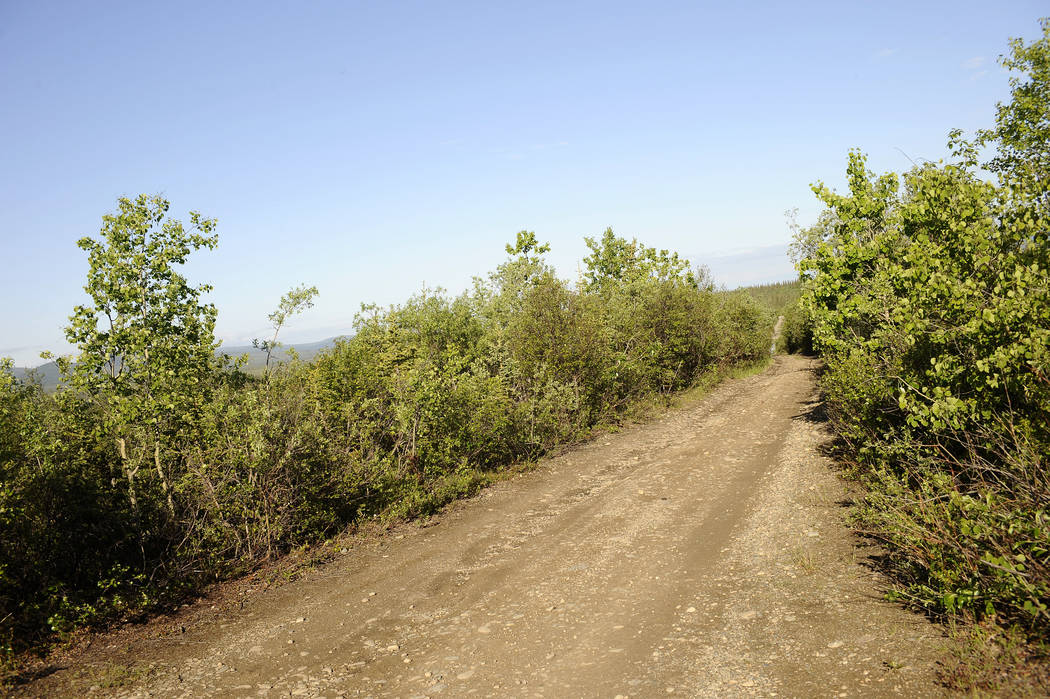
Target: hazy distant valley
x: 49, y: 376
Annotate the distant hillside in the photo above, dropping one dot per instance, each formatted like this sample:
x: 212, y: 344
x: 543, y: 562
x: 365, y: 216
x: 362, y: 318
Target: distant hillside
x: 257, y: 358
x: 48, y: 375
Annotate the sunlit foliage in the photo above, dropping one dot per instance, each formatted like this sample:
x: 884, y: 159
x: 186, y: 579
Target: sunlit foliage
x: 928, y: 295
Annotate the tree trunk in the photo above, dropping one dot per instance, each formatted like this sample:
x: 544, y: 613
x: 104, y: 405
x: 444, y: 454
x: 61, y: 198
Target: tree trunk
x: 163, y: 479
x: 129, y: 472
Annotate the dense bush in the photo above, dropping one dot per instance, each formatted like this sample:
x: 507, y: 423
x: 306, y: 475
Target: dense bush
x: 797, y: 331
x: 58, y: 509
x: 929, y: 298
x: 158, y: 468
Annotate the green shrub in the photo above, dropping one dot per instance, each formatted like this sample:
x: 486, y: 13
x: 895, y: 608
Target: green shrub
x: 796, y: 334
x: 929, y: 298
x: 425, y: 403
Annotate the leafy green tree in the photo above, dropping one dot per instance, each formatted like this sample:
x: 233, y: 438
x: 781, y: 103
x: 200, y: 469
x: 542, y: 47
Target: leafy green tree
x: 614, y: 260
x: 293, y: 303
x: 805, y: 241
x: 146, y: 340
x: 1022, y: 132
x: 525, y: 244
x: 501, y: 294
x: 525, y: 266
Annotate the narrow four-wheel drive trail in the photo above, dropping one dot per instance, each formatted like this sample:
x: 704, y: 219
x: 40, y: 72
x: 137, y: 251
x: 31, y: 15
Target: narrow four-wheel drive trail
x: 702, y: 554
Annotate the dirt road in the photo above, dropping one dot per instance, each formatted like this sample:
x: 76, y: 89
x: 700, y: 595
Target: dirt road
x: 702, y: 554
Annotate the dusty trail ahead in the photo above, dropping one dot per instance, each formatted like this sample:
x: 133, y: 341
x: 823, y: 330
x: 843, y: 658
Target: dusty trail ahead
x: 702, y: 554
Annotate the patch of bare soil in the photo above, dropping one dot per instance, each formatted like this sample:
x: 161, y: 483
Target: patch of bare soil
x: 702, y: 554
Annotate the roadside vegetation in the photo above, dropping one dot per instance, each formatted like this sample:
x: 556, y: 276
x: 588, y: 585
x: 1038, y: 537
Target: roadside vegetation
x: 158, y: 467
x: 928, y: 296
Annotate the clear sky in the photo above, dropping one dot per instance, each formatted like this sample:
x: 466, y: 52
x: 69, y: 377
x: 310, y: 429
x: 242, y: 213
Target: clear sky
x: 371, y: 147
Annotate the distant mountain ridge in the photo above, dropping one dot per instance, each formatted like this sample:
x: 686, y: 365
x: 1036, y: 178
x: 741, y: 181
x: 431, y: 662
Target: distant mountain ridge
x: 257, y: 358
x: 49, y: 376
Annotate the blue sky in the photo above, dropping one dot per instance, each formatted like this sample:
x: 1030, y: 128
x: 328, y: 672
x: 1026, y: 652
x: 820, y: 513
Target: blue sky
x: 371, y: 147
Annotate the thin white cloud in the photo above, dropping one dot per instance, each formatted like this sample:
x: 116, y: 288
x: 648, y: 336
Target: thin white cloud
x: 521, y: 152
x: 545, y: 146
x: 885, y: 53
x: 5, y: 351
x: 973, y: 63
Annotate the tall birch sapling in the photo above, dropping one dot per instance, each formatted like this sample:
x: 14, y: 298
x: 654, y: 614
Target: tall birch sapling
x: 146, y: 340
